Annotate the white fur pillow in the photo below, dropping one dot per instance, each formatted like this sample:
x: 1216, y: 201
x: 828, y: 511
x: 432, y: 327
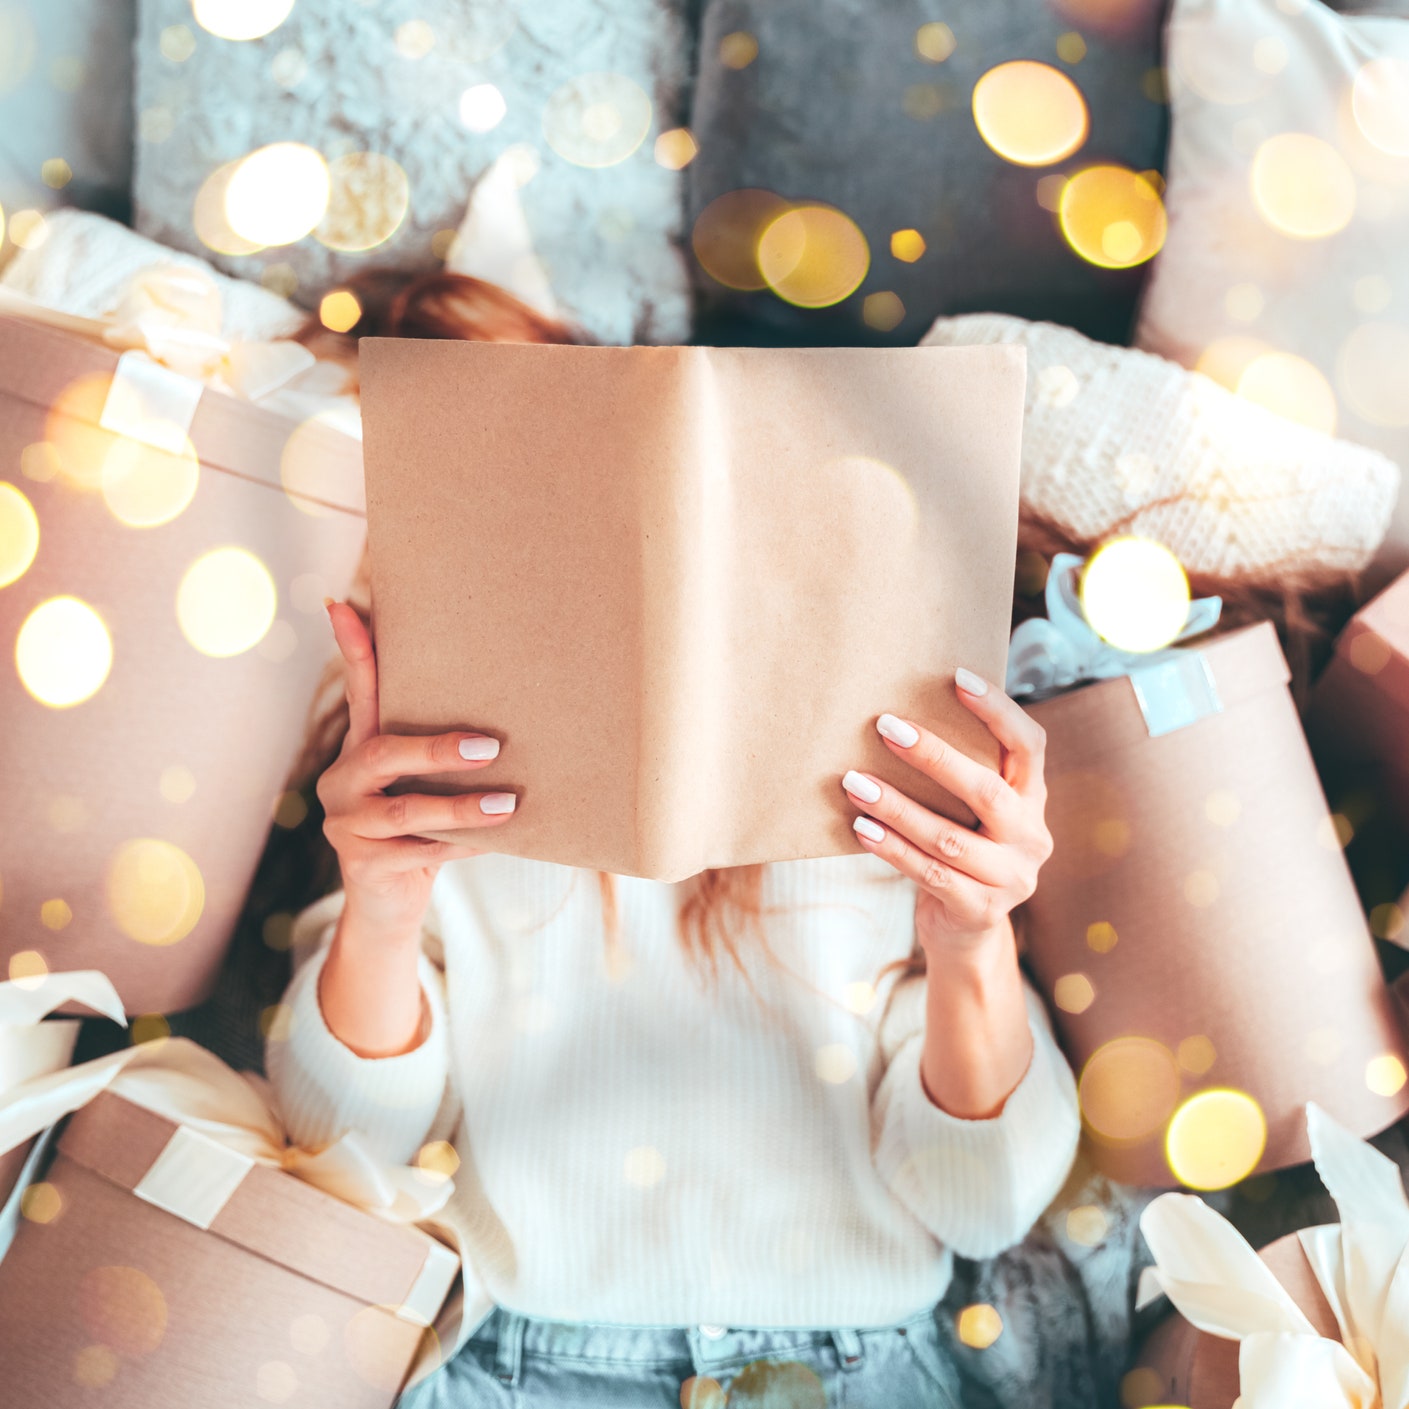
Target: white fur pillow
x: 592, y: 78
x: 1115, y: 436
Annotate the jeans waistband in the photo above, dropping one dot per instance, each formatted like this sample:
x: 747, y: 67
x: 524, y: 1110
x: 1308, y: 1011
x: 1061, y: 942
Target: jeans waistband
x: 703, y: 1348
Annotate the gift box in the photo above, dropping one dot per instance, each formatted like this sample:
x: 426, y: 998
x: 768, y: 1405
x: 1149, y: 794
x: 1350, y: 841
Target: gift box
x: 1196, y: 928
x: 1358, y: 715
x: 681, y: 584
x: 1317, y: 1320
x: 190, y: 1259
x: 167, y: 548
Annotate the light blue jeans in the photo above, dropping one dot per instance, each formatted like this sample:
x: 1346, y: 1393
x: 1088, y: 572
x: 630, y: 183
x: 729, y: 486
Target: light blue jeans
x: 515, y: 1362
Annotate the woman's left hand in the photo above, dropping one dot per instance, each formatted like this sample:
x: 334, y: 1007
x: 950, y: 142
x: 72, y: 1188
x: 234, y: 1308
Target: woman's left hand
x: 969, y: 879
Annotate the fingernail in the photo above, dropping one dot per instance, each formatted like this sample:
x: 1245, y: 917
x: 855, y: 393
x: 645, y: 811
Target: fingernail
x: 861, y: 785
x: 497, y: 803
x: 479, y: 748
x: 970, y: 683
x: 872, y: 831
x: 897, y: 730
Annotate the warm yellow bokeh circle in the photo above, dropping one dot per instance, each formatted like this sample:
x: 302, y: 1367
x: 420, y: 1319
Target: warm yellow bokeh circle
x: 155, y: 891
x: 63, y: 652
x: 240, y: 19
x: 1112, y: 217
x: 226, y: 602
x: 813, y: 256
x: 277, y: 194
x: 1029, y: 113
x: 1215, y: 1139
x: 1302, y: 186
x: 19, y: 534
x: 1135, y: 594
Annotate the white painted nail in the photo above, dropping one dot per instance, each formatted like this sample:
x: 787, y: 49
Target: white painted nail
x: 867, y: 828
x: 479, y: 748
x: 861, y: 786
x: 970, y: 683
x: 897, y: 731
x: 497, y: 803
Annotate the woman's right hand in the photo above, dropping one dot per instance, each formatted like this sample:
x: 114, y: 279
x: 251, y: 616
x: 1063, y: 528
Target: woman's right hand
x: 386, y: 870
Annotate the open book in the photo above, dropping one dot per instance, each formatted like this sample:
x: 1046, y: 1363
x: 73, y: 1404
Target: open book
x: 681, y: 583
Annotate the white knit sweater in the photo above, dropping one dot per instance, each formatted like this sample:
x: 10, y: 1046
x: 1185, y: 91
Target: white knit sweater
x: 641, y: 1145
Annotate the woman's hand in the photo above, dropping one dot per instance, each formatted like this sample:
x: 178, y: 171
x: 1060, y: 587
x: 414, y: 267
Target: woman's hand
x: 386, y: 871
x: 969, y: 880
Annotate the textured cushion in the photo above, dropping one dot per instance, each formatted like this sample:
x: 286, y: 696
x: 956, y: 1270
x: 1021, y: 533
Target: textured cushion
x: 1115, y: 437
x: 821, y: 114
x: 66, y: 94
x: 1254, y: 267
x: 342, y: 77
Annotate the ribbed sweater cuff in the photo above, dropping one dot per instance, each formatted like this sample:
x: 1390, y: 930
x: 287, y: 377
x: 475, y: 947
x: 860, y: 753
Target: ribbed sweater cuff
x: 325, y: 1089
x: 980, y: 1185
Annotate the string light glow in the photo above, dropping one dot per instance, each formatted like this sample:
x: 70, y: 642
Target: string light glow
x: 1127, y: 1089
x: 1302, y: 186
x: 1029, y: 113
x: 726, y: 235
x: 1135, y: 594
x: 155, y: 891
x: 1291, y: 387
x: 241, y: 19
x: 63, y: 652
x: 368, y: 198
x: 597, y: 119
x: 144, y: 487
x: 1112, y: 217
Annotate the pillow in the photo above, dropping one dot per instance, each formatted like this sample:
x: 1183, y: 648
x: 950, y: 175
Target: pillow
x: 65, y: 98
x: 576, y: 90
x: 852, y: 103
x: 1286, y: 268
x: 1113, y: 437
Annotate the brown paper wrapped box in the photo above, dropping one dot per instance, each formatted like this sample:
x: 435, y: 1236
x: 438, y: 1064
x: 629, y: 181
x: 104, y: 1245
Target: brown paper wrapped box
x: 182, y: 752
x: 1178, y: 1364
x: 288, y: 1296
x: 1358, y: 715
x: 1196, y: 926
x: 680, y: 584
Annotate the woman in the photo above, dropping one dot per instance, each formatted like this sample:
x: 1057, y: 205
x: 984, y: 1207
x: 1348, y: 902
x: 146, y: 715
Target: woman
x: 714, y: 1138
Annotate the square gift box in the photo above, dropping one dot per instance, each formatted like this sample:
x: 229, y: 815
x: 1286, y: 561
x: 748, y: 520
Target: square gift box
x: 1196, y: 928
x: 170, y: 1270
x: 167, y: 547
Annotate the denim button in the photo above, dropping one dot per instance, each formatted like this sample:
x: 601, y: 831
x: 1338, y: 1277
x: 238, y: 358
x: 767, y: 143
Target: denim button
x: 714, y: 1333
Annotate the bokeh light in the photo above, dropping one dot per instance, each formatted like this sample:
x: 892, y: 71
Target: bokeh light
x: 1380, y: 101
x: 226, y: 602
x: 122, y: 1308
x: 1372, y: 372
x: 438, y: 1161
x: 835, y: 1063
x: 1385, y: 1074
x: 726, y: 235
x: 63, y: 652
x: 27, y: 968
x: 241, y: 19
x: 482, y: 107
x: 644, y: 1166
x: 883, y: 311
x: 95, y: 1366
x: 907, y: 245
x: 312, y: 478
x: 1101, y: 937
x: 1215, y: 1139
x: 934, y: 42
x: 40, y: 1203
x: 979, y: 1325
x: 208, y: 217
x: 143, y: 486
x: 19, y: 534
x: 339, y: 310
x: 368, y: 198
x: 1290, y: 386
x: 813, y: 256
x: 676, y: 149
x: 155, y: 891
x: 738, y: 50
x: 277, y: 194
x: 1112, y: 217
x: 1127, y: 1088
x: 414, y: 39
x: 1029, y: 113
x: 1135, y: 594
x: 55, y: 914
x: 276, y: 1382
x: 1073, y: 993
x: 702, y: 1392
x: 177, y: 783
x: 1302, y: 186
x: 1087, y: 1225
x: 597, y: 119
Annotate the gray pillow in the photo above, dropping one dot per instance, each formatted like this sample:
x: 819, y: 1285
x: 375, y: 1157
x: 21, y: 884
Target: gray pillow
x: 66, y: 96
x: 387, y: 76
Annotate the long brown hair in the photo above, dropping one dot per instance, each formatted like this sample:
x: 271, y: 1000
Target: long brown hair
x: 724, y: 906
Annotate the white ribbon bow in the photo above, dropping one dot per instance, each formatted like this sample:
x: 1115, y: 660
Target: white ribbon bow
x: 1050, y: 654
x: 1221, y: 1286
